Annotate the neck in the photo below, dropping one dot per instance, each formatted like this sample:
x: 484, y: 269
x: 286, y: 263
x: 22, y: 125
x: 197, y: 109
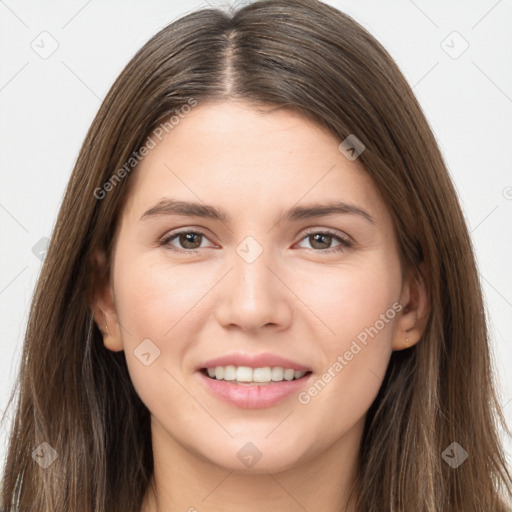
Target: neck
x: 185, y: 481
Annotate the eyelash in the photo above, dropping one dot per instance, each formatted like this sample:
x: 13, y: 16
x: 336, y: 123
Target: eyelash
x: 345, y: 243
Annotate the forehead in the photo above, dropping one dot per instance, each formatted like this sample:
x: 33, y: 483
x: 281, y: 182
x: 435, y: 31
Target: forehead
x: 250, y: 160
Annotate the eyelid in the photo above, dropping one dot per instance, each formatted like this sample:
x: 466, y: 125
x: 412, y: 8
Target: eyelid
x: 345, y: 240
x: 173, y: 234
x: 329, y: 231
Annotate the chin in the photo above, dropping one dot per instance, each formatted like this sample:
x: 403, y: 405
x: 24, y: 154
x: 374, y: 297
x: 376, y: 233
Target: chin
x: 258, y: 456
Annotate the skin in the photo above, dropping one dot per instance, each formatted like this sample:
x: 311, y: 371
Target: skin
x: 294, y: 300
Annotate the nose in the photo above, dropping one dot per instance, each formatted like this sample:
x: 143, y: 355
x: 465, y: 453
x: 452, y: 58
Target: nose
x: 254, y: 295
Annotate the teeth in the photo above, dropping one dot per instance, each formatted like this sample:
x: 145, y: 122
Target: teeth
x: 230, y: 373
x: 254, y: 375
x: 277, y: 373
x: 289, y: 374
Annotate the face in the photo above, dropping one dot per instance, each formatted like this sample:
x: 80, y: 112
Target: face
x: 258, y: 284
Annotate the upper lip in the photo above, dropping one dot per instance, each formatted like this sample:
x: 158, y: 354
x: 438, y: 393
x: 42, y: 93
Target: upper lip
x: 253, y: 361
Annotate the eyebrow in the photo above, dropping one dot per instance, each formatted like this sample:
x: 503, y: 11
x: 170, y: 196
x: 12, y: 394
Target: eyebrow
x: 169, y: 206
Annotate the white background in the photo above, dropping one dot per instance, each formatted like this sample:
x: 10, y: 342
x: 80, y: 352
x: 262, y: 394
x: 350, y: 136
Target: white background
x: 48, y: 104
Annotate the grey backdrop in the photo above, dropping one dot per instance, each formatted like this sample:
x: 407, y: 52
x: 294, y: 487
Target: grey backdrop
x: 58, y: 59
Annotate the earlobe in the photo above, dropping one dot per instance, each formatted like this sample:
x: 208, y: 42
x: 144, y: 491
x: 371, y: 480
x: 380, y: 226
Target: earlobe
x: 414, y: 315
x: 404, y: 343
x: 112, y: 342
x: 102, y: 304
x: 111, y: 335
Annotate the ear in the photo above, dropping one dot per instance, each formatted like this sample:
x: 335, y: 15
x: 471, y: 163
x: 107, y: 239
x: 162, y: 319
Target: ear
x: 103, y: 305
x: 414, y: 315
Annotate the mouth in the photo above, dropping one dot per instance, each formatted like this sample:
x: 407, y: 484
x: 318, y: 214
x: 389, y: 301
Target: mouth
x: 246, y: 375
x: 253, y: 381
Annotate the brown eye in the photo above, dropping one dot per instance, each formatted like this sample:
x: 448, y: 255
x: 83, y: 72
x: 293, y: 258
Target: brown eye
x: 321, y: 241
x: 189, y: 241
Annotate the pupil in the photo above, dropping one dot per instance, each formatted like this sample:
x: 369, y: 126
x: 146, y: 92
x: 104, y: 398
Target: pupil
x: 319, y: 235
x: 187, y: 240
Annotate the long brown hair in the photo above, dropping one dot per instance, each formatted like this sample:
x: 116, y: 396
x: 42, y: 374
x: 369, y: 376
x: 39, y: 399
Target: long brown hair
x: 77, y: 396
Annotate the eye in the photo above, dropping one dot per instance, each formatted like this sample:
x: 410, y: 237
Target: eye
x: 190, y: 241
x: 324, y: 238
x: 187, y: 239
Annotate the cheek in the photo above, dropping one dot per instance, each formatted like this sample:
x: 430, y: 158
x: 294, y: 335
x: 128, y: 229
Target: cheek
x: 155, y: 298
x: 352, y: 298
x: 359, y: 308
x: 340, y: 309
x: 158, y: 307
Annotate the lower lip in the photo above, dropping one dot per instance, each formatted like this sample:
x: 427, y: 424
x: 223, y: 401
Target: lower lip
x: 253, y: 396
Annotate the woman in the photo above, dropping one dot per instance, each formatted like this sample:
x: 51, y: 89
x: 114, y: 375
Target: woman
x: 260, y: 292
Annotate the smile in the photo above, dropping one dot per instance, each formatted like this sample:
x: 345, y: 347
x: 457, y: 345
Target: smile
x: 253, y: 376
x: 253, y: 388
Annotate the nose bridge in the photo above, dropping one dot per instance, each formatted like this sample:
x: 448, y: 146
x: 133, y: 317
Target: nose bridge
x: 251, y: 268
x: 252, y: 277
x: 253, y: 295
